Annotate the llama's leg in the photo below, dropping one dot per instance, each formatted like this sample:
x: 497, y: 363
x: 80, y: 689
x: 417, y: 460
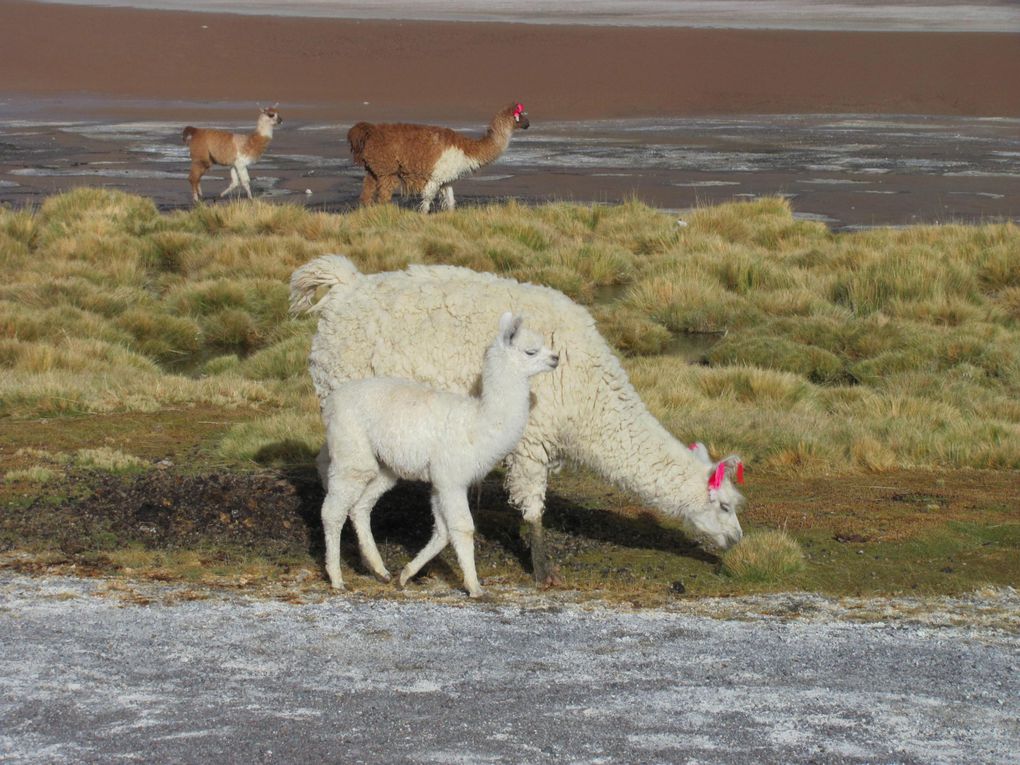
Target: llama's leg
x: 526, y: 483
x: 361, y: 518
x: 195, y: 179
x: 447, y: 202
x: 454, y: 505
x: 387, y: 185
x: 233, y: 182
x: 440, y: 536
x: 242, y: 171
x: 427, y: 195
x: 368, y: 188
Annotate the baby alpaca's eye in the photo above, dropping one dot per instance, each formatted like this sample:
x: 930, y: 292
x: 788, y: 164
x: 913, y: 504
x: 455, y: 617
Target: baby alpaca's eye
x: 531, y: 351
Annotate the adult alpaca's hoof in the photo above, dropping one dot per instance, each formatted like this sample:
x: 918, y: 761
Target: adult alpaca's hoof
x: 383, y: 576
x: 552, y: 579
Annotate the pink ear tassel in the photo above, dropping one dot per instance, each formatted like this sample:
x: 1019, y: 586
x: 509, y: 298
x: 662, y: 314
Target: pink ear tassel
x: 518, y: 108
x: 717, y: 477
x: 740, y: 472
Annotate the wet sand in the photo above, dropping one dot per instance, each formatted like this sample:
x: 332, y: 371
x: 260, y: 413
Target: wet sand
x: 674, y: 116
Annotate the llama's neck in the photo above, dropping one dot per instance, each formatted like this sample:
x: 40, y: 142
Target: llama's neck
x: 504, y: 406
x: 620, y: 439
x: 489, y: 147
x: 257, y: 142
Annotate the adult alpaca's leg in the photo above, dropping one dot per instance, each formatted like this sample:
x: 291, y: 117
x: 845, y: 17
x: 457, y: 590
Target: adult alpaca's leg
x: 440, y: 536
x: 361, y: 518
x: 526, y: 482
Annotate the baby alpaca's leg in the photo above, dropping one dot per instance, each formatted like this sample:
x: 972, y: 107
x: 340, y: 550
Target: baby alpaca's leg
x: 343, y: 492
x: 352, y: 466
x: 440, y: 536
x: 361, y: 518
x: 454, y: 505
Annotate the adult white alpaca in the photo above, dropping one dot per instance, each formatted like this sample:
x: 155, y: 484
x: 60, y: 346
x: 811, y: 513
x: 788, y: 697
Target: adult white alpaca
x: 424, y: 159
x: 380, y: 429
x: 208, y: 147
x: 430, y: 323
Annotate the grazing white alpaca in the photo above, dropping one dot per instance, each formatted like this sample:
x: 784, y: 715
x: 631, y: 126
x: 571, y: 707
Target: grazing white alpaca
x: 380, y: 429
x: 209, y: 147
x: 423, y: 159
x: 430, y: 322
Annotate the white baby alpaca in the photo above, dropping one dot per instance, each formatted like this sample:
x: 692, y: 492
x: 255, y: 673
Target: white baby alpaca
x: 381, y: 429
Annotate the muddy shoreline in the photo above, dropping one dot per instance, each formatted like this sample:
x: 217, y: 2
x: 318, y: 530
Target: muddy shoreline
x: 849, y: 171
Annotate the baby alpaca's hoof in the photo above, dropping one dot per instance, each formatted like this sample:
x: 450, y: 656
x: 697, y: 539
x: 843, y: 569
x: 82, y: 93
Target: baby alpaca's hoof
x: 383, y: 576
x: 477, y: 593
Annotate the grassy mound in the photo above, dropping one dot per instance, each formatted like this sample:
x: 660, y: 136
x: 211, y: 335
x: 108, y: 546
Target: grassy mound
x: 819, y: 351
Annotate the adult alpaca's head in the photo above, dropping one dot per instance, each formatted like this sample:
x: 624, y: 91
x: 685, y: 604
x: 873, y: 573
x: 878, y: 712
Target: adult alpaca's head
x: 716, y: 520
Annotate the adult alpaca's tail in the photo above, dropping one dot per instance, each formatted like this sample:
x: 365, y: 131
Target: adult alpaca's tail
x: 327, y: 271
x: 357, y: 137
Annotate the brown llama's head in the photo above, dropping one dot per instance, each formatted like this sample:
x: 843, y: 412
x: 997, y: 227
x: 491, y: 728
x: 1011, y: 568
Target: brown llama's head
x: 271, y: 113
x: 520, y: 116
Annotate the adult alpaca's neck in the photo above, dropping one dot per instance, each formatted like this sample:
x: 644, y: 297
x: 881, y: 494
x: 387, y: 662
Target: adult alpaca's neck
x: 620, y: 439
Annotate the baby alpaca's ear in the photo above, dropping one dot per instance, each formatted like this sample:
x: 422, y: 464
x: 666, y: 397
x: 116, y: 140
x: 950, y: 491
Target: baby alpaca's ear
x: 508, y: 326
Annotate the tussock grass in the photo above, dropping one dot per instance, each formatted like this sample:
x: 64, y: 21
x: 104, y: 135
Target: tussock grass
x: 837, y: 352
x: 766, y: 557
x: 34, y: 474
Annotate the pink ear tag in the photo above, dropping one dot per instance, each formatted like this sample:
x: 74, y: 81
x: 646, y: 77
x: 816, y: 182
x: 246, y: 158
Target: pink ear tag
x: 717, y: 477
x: 740, y: 472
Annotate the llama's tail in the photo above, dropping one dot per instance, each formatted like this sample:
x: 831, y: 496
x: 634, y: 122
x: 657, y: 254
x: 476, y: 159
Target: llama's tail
x: 327, y: 271
x: 188, y: 134
x: 357, y: 137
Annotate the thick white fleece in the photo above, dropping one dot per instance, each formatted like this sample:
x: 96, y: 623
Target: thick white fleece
x: 432, y: 323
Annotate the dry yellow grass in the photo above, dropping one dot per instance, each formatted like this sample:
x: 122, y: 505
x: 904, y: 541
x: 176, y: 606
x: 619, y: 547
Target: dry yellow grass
x: 836, y: 352
x: 767, y: 557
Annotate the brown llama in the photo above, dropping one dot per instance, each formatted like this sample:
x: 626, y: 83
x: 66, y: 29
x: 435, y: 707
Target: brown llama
x: 423, y: 159
x: 210, y: 147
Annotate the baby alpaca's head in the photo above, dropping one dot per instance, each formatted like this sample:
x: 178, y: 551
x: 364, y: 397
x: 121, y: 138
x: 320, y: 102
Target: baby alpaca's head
x: 716, y: 520
x: 524, y: 350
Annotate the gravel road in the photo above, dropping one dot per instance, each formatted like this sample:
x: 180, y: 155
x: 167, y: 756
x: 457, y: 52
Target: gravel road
x: 93, y: 671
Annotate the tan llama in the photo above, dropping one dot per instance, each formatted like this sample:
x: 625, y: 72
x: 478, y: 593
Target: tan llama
x: 423, y: 159
x: 210, y: 147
